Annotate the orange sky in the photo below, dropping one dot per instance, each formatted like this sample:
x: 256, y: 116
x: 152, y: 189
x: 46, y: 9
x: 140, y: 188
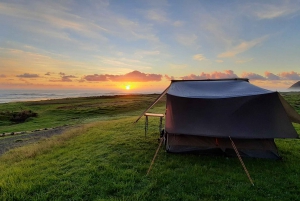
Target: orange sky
x: 110, y: 44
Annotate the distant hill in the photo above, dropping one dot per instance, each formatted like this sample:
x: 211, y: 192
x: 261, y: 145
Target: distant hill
x: 295, y: 86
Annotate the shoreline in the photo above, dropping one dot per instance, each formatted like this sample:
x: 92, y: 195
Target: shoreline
x: 7, y: 96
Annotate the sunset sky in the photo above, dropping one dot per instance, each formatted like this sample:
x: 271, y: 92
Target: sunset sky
x: 145, y: 43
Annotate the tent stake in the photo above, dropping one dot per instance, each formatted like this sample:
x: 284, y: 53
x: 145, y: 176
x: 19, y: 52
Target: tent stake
x: 161, y: 140
x: 240, y: 158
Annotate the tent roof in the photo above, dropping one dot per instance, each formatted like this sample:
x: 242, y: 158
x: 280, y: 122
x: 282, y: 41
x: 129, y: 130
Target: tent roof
x: 225, y: 88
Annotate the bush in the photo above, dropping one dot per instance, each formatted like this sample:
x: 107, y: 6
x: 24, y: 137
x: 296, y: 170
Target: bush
x: 20, y: 117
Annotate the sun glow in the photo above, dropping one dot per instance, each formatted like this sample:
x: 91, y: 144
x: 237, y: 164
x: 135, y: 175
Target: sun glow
x: 127, y: 87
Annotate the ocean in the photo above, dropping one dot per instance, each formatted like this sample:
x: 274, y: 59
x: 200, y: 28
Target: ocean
x: 7, y: 96
x: 14, y: 95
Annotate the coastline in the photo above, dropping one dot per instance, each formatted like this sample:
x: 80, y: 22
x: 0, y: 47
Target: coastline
x: 10, y: 96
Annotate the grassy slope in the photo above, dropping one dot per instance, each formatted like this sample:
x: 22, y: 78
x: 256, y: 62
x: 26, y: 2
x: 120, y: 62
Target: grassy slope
x: 53, y: 113
x: 108, y: 160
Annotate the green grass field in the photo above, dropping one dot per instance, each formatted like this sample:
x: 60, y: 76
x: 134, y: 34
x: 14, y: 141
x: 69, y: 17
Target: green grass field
x: 108, y: 159
x: 73, y: 111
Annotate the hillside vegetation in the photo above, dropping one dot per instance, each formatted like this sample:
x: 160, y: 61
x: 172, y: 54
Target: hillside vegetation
x: 73, y: 111
x: 108, y: 160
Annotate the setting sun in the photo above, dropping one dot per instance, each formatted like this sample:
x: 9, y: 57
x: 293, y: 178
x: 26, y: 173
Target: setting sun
x: 127, y: 87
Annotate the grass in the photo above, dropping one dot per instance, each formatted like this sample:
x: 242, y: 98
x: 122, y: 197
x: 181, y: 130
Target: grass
x: 72, y: 111
x: 108, y: 160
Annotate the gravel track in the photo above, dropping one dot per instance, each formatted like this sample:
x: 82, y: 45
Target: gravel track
x: 13, y: 141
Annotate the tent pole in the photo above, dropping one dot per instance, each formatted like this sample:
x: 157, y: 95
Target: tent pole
x: 240, y: 158
x: 156, y: 100
x: 146, y: 125
x: 161, y: 139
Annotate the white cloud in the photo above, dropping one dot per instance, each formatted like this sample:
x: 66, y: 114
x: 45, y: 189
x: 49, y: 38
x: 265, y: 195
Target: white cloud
x: 157, y: 15
x: 273, y: 9
x: 213, y: 75
x: 199, y: 57
x: 242, y: 47
x: 57, y: 18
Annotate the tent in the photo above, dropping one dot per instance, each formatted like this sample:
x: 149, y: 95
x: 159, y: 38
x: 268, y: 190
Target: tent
x: 202, y: 116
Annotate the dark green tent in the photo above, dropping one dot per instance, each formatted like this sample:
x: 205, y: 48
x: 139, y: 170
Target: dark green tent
x: 202, y: 114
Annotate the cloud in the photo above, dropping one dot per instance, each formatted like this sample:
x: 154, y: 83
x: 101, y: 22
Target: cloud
x: 213, y: 75
x: 67, y: 78
x: 242, y: 47
x: 196, y: 77
x: 66, y: 20
x: 271, y: 76
x: 169, y: 77
x: 226, y: 74
x: 95, y: 78
x: 48, y: 73
x: 38, y: 63
x: 157, y: 15
x: 134, y: 76
x: 56, y: 16
x: 290, y: 75
x: 219, y: 61
x: 28, y: 75
x: 253, y: 76
x: 199, y: 57
x: 2, y: 75
x: 274, y: 10
x: 64, y: 78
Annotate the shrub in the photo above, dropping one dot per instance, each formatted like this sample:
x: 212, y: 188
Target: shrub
x: 20, y: 117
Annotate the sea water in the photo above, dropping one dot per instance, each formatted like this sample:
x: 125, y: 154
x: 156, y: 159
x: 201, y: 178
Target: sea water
x: 7, y: 96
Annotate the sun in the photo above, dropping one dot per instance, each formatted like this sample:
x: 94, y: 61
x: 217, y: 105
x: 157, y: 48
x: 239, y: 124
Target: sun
x: 127, y: 87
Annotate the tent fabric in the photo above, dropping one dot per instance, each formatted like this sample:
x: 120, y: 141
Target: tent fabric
x: 258, y: 116
x: 214, y: 89
x: 200, y: 111
x: 259, y: 148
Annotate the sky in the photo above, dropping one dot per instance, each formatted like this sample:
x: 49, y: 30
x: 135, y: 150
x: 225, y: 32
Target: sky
x: 110, y: 45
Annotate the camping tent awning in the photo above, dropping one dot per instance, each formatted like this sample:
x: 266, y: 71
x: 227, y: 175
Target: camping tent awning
x: 215, y: 89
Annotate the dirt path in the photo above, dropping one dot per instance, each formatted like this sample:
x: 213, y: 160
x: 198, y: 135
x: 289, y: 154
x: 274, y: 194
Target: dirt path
x: 13, y: 141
